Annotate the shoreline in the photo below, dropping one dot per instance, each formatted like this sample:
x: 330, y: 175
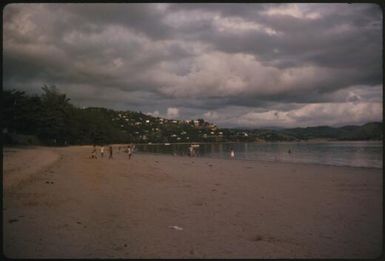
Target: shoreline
x: 261, y: 161
x: 79, y: 207
x: 263, y: 142
x: 26, y: 147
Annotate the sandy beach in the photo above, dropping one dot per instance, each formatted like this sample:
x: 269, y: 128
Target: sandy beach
x: 59, y: 203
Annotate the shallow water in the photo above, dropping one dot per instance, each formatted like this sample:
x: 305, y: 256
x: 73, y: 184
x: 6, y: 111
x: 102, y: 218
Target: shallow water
x: 341, y: 153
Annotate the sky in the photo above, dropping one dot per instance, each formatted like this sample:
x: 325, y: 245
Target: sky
x: 235, y: 65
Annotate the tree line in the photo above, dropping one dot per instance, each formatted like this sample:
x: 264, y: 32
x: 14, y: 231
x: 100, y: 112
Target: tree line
x: 51, y: 119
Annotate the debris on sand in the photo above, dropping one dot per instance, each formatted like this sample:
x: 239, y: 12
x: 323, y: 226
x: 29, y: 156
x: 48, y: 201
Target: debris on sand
x: 175, y: 227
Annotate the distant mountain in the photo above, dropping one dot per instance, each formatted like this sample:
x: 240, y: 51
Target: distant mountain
x: 369, y: 131
x: 51, y: 119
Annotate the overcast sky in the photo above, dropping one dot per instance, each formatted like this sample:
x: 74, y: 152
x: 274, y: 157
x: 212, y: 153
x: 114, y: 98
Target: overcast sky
x: 236, y: 65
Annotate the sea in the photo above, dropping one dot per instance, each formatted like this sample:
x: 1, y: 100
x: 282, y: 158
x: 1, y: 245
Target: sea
x: 367, y: 154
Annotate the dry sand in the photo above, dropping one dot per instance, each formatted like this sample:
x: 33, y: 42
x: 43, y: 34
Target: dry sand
x: 59, y: 203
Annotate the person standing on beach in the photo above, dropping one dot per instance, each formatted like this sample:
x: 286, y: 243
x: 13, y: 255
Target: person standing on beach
x: 110, y: 151
x: 191, y: 149
x: 93, y: 154
x: 102, y: 151
x: 129, y: 152
x: 232, y: 153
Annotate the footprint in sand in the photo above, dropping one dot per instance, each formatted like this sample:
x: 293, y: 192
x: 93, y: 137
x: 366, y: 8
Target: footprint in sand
x: 268, y: 239
x: 257, y: 238
x: 199, y: 203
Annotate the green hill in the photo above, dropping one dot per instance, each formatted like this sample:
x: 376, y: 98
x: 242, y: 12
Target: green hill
x: 369, y: 131
x: 52, y: 120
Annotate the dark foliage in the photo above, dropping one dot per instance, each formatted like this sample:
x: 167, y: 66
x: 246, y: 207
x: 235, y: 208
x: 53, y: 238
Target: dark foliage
x: 51, y: 119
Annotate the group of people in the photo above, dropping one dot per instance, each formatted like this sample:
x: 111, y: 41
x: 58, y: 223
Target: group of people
x: 193, y: 152
x: 129, y: 149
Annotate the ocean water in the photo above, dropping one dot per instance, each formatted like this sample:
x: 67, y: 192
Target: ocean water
x: 341, y: 153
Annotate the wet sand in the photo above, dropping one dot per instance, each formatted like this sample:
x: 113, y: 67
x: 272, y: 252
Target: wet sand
x: 59, y: 203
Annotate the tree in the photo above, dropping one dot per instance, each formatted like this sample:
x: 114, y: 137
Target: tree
x: 21, y: 113
x: 55, y: 120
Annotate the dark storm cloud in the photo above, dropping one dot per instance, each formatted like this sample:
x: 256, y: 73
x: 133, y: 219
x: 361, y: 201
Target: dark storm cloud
x: 143, y: 18
x: 234, y: 64
x: 345, y: 38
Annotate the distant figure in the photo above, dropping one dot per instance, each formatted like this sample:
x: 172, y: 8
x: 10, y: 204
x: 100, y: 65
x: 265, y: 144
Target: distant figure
x: 119, y: 148
x: 132, y: 149
x: 102, y: 151
x: 232, y: 153
x: 93, y: 154
x: 289, y: 151
x: 110, y: 151
x: 191, y: 151
x: 129, y: 152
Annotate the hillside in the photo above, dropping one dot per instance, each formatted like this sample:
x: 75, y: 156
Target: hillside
x: 52, y: 120
x: 369, y: 131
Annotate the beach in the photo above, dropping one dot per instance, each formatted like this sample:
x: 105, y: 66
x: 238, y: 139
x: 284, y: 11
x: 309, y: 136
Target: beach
x: 59, y: 203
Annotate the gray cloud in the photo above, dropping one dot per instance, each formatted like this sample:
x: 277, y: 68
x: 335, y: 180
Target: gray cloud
x: 234, y: 64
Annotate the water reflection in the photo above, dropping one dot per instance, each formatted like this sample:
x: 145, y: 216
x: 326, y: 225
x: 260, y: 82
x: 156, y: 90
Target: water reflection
x: 356, y: 154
